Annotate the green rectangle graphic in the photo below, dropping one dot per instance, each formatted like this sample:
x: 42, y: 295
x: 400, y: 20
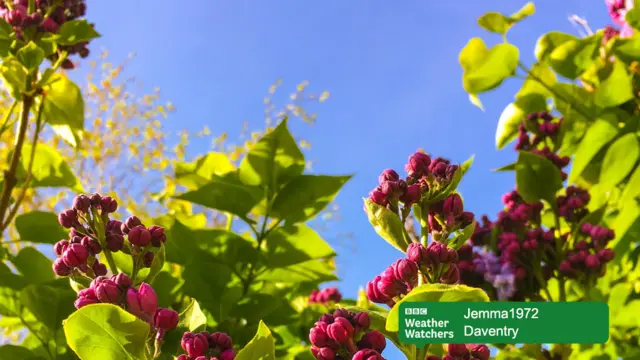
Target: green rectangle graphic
x: 504, y: 322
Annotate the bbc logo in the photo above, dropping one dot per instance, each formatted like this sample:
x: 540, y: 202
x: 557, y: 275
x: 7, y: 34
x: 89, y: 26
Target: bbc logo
x: 415, y: 311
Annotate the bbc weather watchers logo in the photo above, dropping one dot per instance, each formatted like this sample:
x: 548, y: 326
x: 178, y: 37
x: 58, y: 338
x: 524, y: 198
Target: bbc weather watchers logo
x: 415, y: 311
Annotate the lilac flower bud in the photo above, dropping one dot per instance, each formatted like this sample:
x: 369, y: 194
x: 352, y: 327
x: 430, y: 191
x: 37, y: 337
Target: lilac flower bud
x: 406, y: 270
x: 183, y: 357
x: 48, y: 25
x: 327, y: 318
x: 378, y: 197
x: 480, y: 352
x: 451, y: 276
x: 342, y: 313
x: 318, y: 337
x: 157, y: 235
x: 133, y: 303
x: 458, y: 350
x: 325, y: 353
x: 75, y: 255
x: 148, y: 259
x: 82, y: 203
x: 606, y: 255
x: 122, y: 280
x: 197, y: 346
x: 68, y: 218
x: 452, y: 206
x: 362, y: 320
x: 438, y: 167
x: 221, y: 340
x: 186, y: 337
x: 389, y: 286
x: 114, y: 227
x: 434, y: 225
x: 98, y: 268
x: 228, y: 354
x: 466, y: 218
x: 92, y: 246
x: 130, y: 223
x: 148, y: 298
x: 418, y: 164
x: 108, y: 204
x: 108, y: 292
x: 33, y: 19
x: 165, y: 319
x: 388, y: 175
x: 566, y: 268
x: 60, y: 268
x: 374, y: 294
x: 412, y: 195
x: 115, y: 242
x: 438, y: 252
x: 15, y: 17
x: 417, y: 253
x: 341, y: 330
x: 367, y: 354
x: 592, y: 261
x: 373, y: 340
x: 139, y: 236
x: 83, y: 301
x: 60, y: 247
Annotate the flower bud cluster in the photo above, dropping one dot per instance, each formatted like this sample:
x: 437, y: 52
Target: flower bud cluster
x: 78, y: 254
x: 205, y: 345
x: 448, y: 215
x: 617, y: 10
x: 325, y: 296
x: 464, y: 352
x: 396, y: 281
x: 587, y: 259
x: 517, y: 214
x: 345, y: 334
x: 573, y: 206
x: 544, y: 127
x: 46, y: 19
x: 142, y: 240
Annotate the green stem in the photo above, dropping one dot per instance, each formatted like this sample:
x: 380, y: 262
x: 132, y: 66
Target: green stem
x: 559, y: 255
x: 421, y: 354
x: 112, y: 264
x: 229, y: 221
x: 424, y: 224
x: 7, y: 117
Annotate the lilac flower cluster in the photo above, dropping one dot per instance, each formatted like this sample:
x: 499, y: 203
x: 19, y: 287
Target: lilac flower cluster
x: 464, y: 352
x: 447, y: 216
x: 397, y: 280
x: 325, y: 296
x: 589, y: 256
x: 205, y: 345
x: 47, y: 17
x: 618, y: 10
x: 142, y: 240
x: 544, y: 128
x: 346, y: 335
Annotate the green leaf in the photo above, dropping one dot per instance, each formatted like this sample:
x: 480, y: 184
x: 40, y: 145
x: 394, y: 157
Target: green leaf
x: 293, y: 244
x: 537, y: 178
x: 632, y: 17
x: 49, y: 304
x: 625, y: 226
x: 576, y: 106
x: 14, y: 75
x: 33, y: 265
x: 312, y: 271
x: 31, y: 56
x: 632, y: 188
x: 76, y: 31
x: 628, y: 49
x: 498, y: 23
x: 616, y: 89
x: 509, y: 167
x: 601, y: 133
x: 514, y: 114
x: 16, y: 352
x: 192, y: 318
x: 274, y: 160
x: 573, y: 57
x: 5, y: 38
x: 539, y: 74
x: 548, y: 42
x: 261, y: 347
x: 387, y: 224
x: 63, y: 108
x: 226, y: 195
x: 467, y: 164
x: 305, y: 196
x: 40, y: 227
x: 435, y: 293
x: 462, y: 237
x: 106, y: 331
x: 619, y: 161
x: 49, y: 169
x: 200, y: 172
x: 499, y: 63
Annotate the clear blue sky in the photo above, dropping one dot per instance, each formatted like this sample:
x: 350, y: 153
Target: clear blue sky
x: 391, y: 68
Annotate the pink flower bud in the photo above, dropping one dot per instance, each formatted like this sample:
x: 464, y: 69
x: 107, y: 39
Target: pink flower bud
x: 98, y: 268
x: 122, y: 280
x: 458, y: 350
x: 48, y: 25
x: 418, y: 253
x: 406, y: 270
x: 68, y: 218
x: 367, y: 354
x: 228, y: 354
x: 592, y: 261
x: 74, y: 255
x: 466, y: 218
x: 412, y: 195
x: 326, y: 353
x: 139, y: 236
x: 418, y: 164
x: 108, y: 204
x: 183, y: 357
x: 481, y: 352
x: 60, y: 268
x: 148, y: 259
x: 318, y: 337
x: 133, y: 303
x: 341, y: 330
x: 82, y: 203
x: 452, y: 256
x: 82, y: 302
x: 186, y: 337
x: 343, y: 313
x: 221, y: 340
x: 157, y: 235
x: 378, y: 197
x: 566, y: 268
x: 451, y: 276
x: 388, y: 175
x: 60, y: 247
x: 362, y: 320
x: 108, y: 292
x: 452, y: 206
x: 115, y: 242
x: 606, y: 255
x: 165, y: 319
x: 197, y: 346
x: 373, y: 340
x: 148, y: 298
x: 327, y: 318
x: 92, y: 246
x: 130, y: 223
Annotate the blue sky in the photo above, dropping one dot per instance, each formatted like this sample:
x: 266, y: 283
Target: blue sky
x: 391, y: 68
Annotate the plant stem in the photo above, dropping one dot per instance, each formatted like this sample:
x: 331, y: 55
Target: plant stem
x: 424, y: 224
x: 559, y: 255
x: 7, y: 117
x: 10, y: 179
x: 422, y: 353
x: 111, y: 262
